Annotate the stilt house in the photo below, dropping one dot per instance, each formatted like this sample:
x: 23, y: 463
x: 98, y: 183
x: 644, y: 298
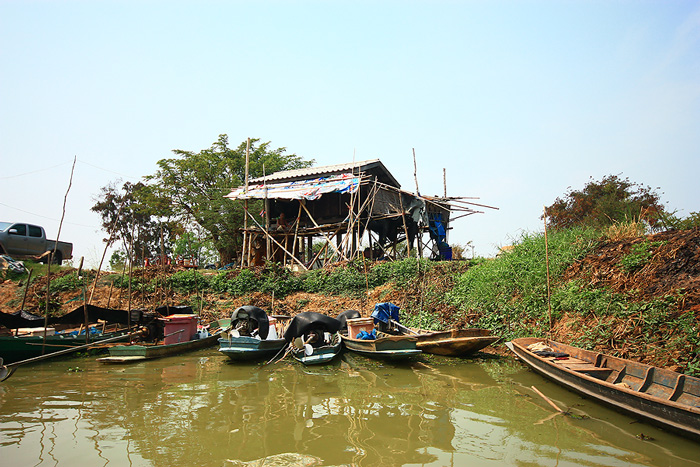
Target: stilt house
x: 349, y: 209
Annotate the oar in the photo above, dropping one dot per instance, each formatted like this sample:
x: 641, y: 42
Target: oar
x: 7, y: 370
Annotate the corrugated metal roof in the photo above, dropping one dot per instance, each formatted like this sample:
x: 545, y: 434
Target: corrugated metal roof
x: 310, y: 189
x: 373, y: 166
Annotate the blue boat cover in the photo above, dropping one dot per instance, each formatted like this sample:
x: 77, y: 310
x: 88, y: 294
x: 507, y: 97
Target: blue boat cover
x: 385, y: 311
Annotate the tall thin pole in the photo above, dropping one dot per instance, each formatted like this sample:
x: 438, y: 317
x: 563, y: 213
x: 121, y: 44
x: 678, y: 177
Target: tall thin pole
x: 268, y: 244
x: 131, y: 266
x: 444, y: 182
x: 415, y: 171
x: 546, y: 253
x: 245, y: 250
x: 53, y: 255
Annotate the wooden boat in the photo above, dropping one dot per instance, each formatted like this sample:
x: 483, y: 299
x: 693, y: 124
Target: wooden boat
x: 320, y: 355
x: 23, y: 332
x: 313, y: 338
x: 454, y: 342
x: 385, y: 347
x: 15, y: 348
x: 246, y: 348
x: 662, y: 397
x: 130, y: 353
x: 253, y: 336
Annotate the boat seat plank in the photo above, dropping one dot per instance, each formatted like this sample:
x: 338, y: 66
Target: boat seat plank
x: 568, y: 361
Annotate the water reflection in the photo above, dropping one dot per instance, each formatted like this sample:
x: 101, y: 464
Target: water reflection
x: 202, y: 410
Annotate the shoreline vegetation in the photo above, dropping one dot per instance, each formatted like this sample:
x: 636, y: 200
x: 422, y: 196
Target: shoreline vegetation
x: 614, y: 291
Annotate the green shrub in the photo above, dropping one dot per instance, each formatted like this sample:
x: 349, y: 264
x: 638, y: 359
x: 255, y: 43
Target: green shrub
x: 66, y: 283
x: 510, y: 292
x: 187, y: 281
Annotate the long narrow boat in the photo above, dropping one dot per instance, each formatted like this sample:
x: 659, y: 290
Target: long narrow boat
x: 385, y: 347
x: 455, y: 342
x: 130, y: 353
x: 662, y: 397
x: 22, y: 347
x: 23, y: 332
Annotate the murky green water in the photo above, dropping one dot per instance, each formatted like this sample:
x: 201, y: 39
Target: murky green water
x: 199, y: 409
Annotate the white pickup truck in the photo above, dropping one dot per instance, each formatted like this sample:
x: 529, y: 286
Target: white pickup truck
x: 27, y: 241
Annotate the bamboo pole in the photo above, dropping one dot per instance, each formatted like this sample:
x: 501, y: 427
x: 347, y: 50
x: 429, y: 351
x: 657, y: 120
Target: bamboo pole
x: 415, y: 171
x: 546, y: 250
x: 296, y: 230
x: 85, y: 311
x: 547, y: 399
x: 272, y: 238
x: 131, y: 266
x: 444, y: 182
x: 405, y: 229
x: 53, y: 255
x: 26, y: 289
x: 245, y: 249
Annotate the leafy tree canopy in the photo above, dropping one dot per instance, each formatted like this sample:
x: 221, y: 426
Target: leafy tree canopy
x: 606, y: 202
x: 138, y: 217
x: 195, y: 183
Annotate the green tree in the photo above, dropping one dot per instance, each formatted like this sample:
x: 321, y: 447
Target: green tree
x: 606, y: 202
x: 192, y: 245
x: 196, y: 182
x: 136, y: 209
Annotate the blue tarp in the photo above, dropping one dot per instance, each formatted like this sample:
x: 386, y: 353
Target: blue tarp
x: 385, y: 311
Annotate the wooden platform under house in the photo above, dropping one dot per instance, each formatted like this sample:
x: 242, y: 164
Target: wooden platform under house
x: 351, y: 209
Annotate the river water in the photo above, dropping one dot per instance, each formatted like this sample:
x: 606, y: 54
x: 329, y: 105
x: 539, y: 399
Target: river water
x: 200, y: 410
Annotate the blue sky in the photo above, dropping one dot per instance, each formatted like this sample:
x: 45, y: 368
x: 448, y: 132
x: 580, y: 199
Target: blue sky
x: 517, y: 100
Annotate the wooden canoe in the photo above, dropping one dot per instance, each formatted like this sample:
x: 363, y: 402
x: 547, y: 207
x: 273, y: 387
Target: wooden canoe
x: 320, y: 355
x: 455, y: 342
x: 662, y: 397
x: 384, y: 348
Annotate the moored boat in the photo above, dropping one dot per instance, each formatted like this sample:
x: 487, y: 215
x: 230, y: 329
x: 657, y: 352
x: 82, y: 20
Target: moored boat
x: 314, y: 338
x: 384, y: 347
x: 360, y: 335
x: 455, y: 342
x: 180, y: 334
x: 662, y: 397
x: 25, y: 336
x: 251, y: 337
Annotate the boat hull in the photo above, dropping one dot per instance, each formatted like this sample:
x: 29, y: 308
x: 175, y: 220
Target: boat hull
x: 662, y: 397
x: 136, y: 352
x: 15, y: 349
x: 455, y: 342
x: 384, y: 348
x: 245, y: 348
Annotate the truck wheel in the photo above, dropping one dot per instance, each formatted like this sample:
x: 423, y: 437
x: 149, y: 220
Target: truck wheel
x: 58, y: 258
